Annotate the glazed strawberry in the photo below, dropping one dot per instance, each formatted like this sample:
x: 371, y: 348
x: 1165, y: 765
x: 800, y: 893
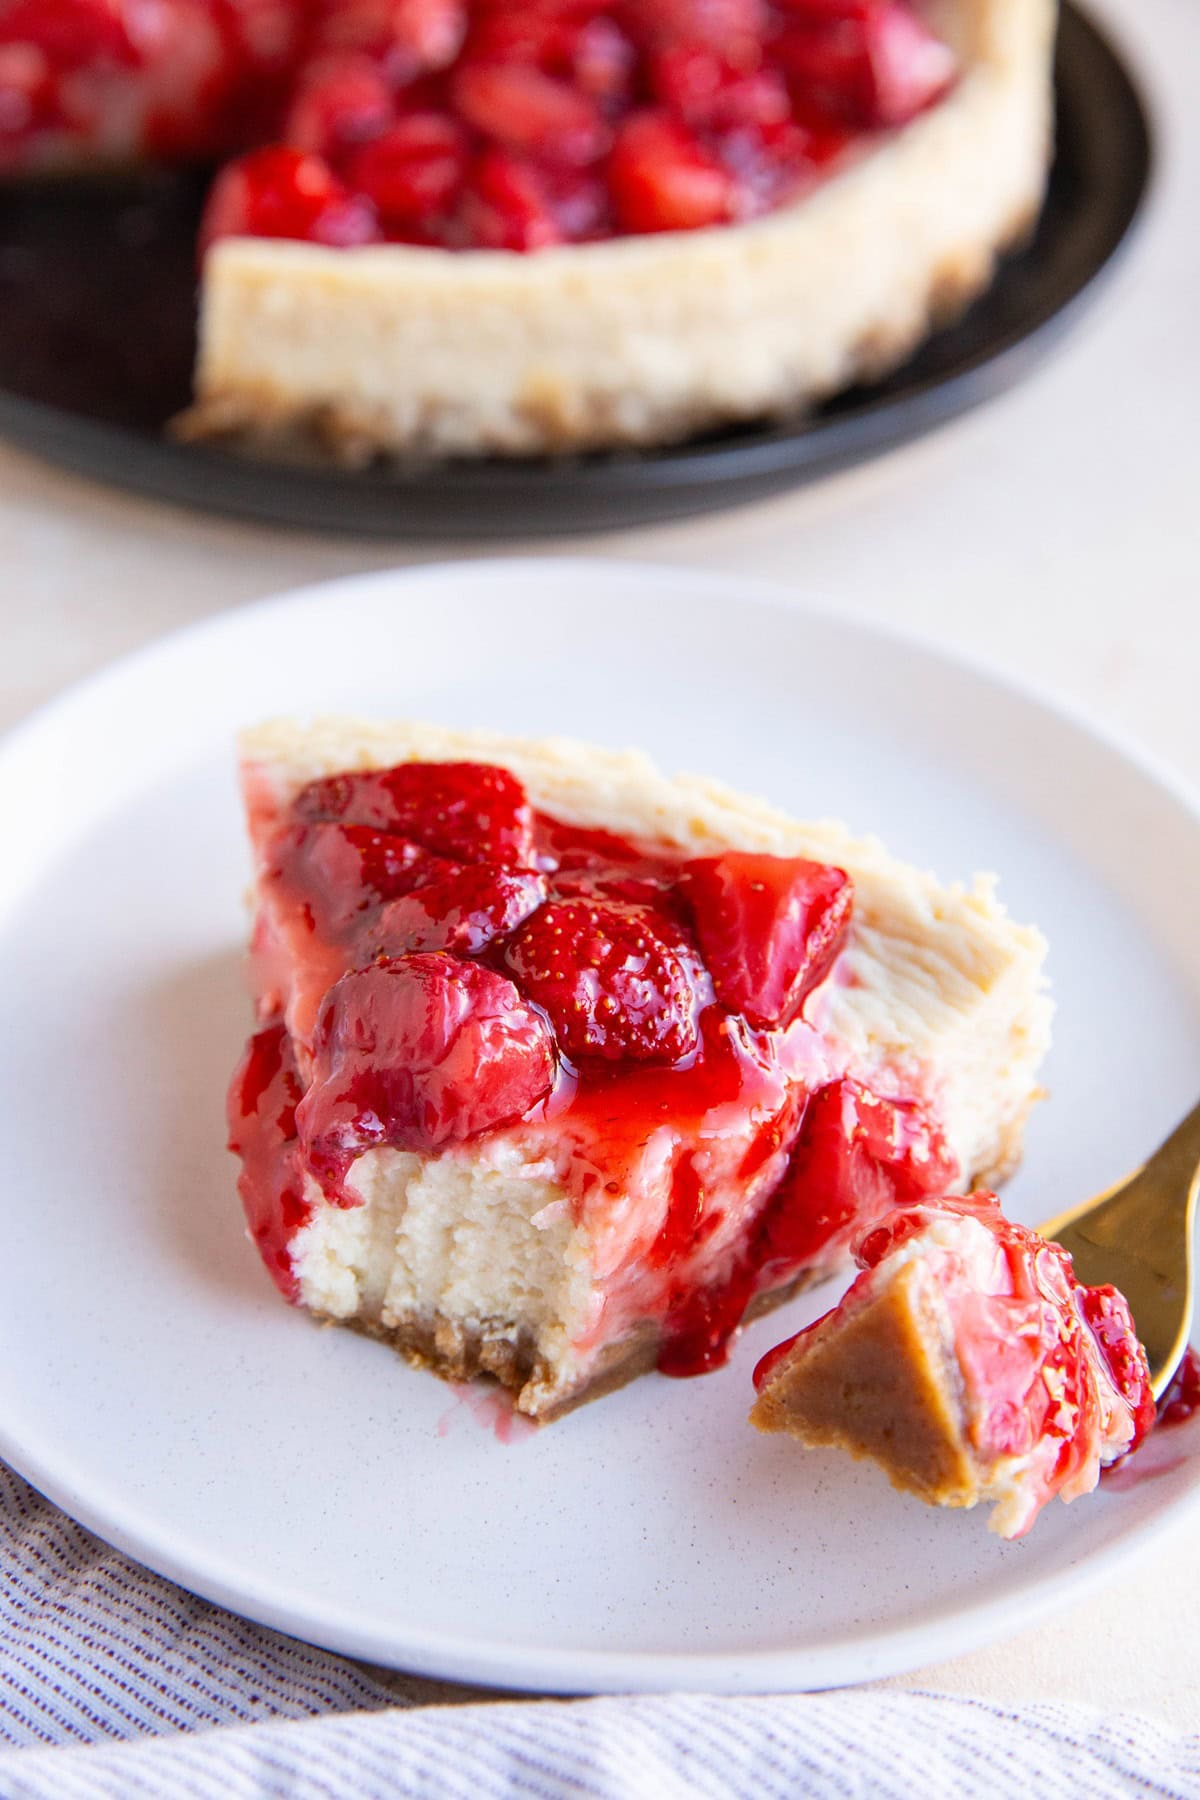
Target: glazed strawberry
x: 508, y: 205
x: 29, y: 95
x: 283, y: 193
x: 584, y: 45
x: 426, y: 34
x: 857, y: 1156
x: 71, y: 34
x: 414, y: 172
x: 910, y: 68
x: 341, y: 101
x: 705, y: 89
x: 418, y: 1053
x: 464, y: 911
x: 1108, y: 1318
x: 873, y: 69
x: 602, y: 61
x: 410, y: 37
x: 735, y: 26
x: 526, y: 110
x: 662, y: 180
x: 345, y: 870
x: 1181, y: 1398
x: 769, y: 927
x: 613, y: 979
x: 471, y: 811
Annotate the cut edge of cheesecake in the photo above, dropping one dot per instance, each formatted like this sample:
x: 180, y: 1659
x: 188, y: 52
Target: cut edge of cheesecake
x: 641, y: 341
x: 430, y: 1262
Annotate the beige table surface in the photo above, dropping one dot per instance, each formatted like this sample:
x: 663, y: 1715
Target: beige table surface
x: 1055, y: 533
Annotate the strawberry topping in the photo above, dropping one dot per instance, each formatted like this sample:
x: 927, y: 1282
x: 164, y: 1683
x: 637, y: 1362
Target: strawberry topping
x: 857, y: 1156
x: 284, y: 193
x: 344, y: 870
x: 770, y: 928
x: 464, y: 910
x: 679, y: 113
x: 468, y: 123
x: 472, y: 811
x: 615, y: 980
x: 417, y: 1053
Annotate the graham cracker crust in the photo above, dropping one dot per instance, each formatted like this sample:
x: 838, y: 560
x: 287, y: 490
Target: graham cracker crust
x: 460, y: 1352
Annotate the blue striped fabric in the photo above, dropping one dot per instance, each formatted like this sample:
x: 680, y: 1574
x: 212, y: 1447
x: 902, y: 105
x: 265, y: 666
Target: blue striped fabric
x: 116, y: 1685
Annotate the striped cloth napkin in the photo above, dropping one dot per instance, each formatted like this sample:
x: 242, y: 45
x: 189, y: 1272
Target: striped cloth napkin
x: 117, y: 1685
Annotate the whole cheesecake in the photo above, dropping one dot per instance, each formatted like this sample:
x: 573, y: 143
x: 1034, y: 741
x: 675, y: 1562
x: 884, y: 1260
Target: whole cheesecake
x: 563, y: 1068
x: 466, y: 227
x: 648, y: 338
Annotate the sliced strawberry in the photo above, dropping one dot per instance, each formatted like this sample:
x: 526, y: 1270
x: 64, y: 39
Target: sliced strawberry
x: 822, y: 11
x: 1181, y: 1397
x: 342, y: 871
x: 508, y: 205
x: 857, y: 1157
x: 466, y: 910
x: 873, y: 70
x: 410, y: 38
x: 910, y: 68
x: 770, y: 928
x: 580, y: 43
x: 282, y: 193
x: 734, y: 26
x: 615, y: 980
x: 1108, y: 1318
x: 414, y: 173
x: 704, y: 89
x: 602, y: 61
x: 828, y: 65
x: 71, y: 34
x: 526, y: 110
x: 474, y: 812
x: 418, y: 1053
x: 30, y: 97
x: 341, y: 101
x: 662, y: 180
x: 426, y: 34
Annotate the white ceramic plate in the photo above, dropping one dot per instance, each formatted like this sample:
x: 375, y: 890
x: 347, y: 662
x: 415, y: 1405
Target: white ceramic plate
x: 153, y: 1384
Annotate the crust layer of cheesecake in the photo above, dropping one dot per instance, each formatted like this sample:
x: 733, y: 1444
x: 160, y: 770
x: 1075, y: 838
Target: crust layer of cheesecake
x: 645, y: 340
x: 884, y: 1385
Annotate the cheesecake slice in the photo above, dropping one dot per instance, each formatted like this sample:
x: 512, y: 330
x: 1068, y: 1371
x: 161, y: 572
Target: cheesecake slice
x: 564, y: 1067
x: 969, y: 1363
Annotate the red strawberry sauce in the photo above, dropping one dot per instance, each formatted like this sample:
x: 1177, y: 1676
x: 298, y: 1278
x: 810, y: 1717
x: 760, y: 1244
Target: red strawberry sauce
x: 475, y: 966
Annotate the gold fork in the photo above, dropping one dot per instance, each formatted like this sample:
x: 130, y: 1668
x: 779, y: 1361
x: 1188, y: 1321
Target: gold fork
x: 1138, y: 1236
